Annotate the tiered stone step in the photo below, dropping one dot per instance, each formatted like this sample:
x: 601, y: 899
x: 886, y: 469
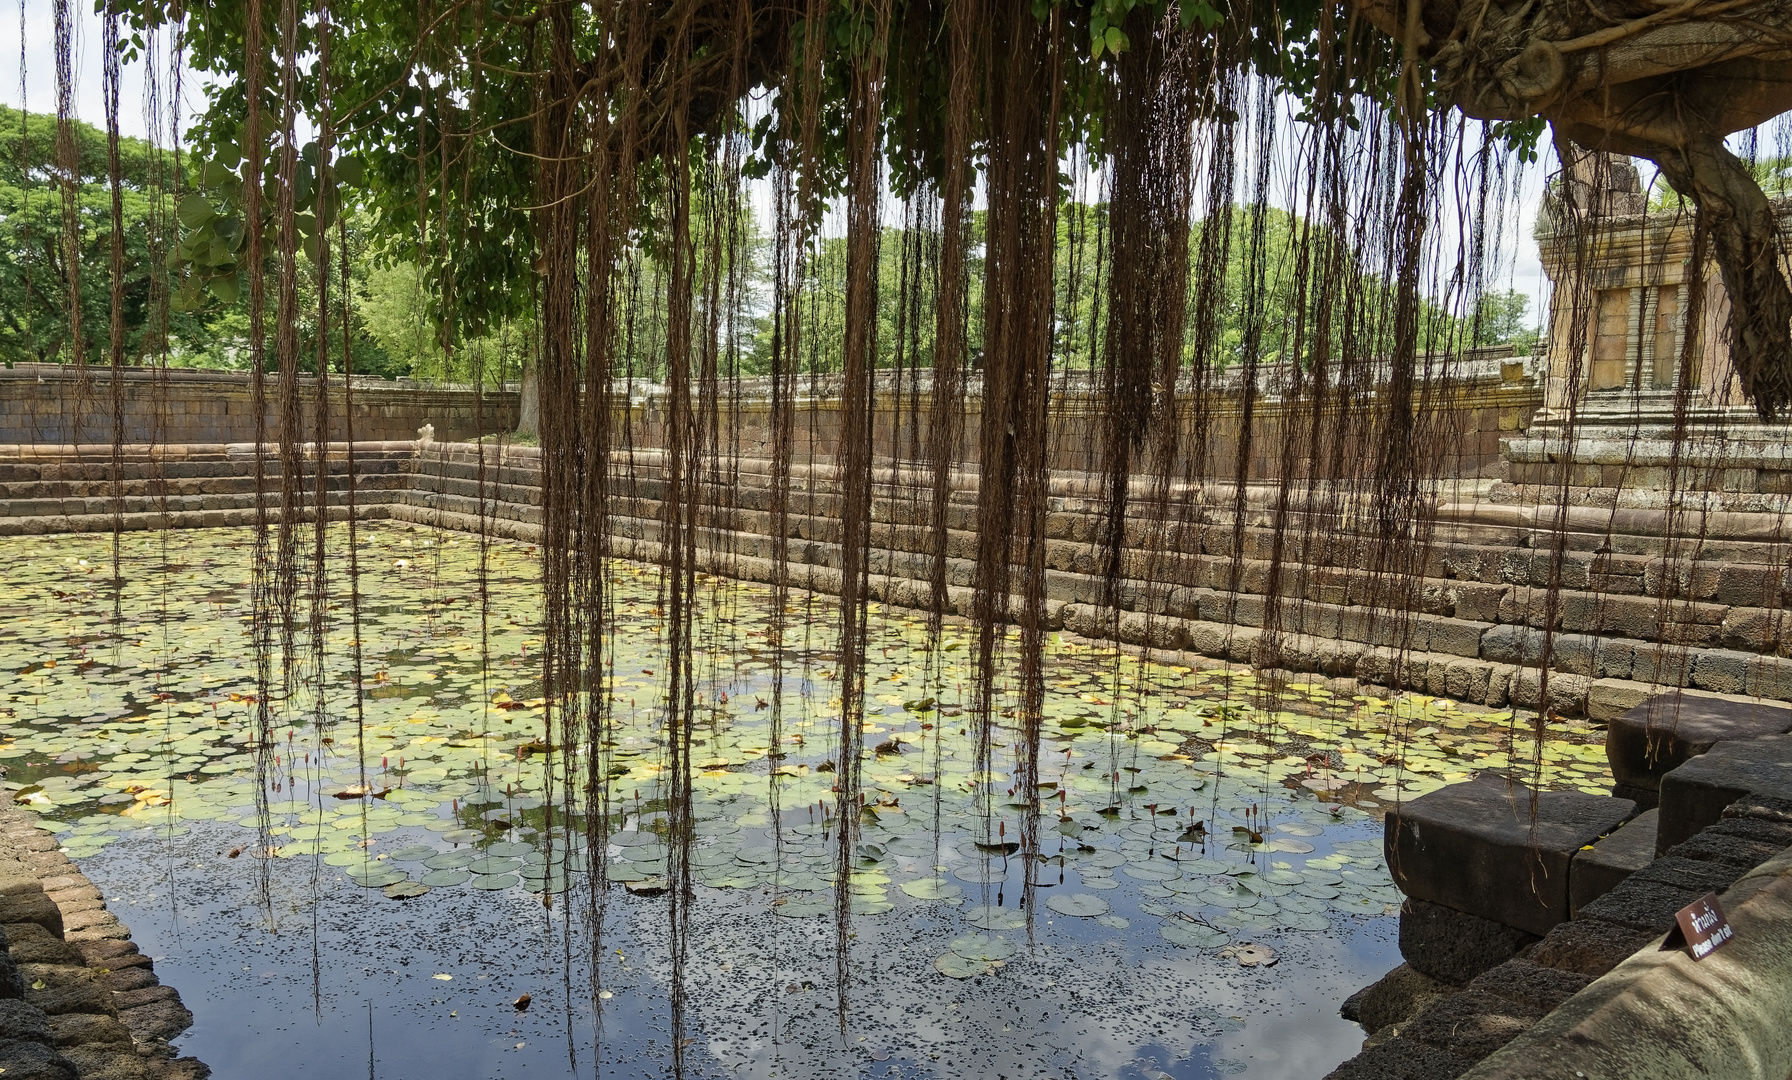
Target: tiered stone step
x: 80, y: 489
x: 1476, y: 614
x: 1466, y: 618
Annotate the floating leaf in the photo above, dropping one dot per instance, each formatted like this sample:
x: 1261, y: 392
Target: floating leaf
x: 1191, y: 935
x: 1079, y: 905
x: 932, y: 889
x: 995, y: 918
x: 983, y: 947
x: 954, y: 966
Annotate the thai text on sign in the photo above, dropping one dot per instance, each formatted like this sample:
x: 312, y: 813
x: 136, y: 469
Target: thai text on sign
x: 1705, y: 926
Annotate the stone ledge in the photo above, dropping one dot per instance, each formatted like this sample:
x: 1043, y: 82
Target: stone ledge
x: 1653, y: 1016
x: 90, y: 1002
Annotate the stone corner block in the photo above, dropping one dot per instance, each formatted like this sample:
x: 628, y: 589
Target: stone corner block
x: 1477, y: 847
x: 1654, y: 738
x: 1600, y: 868
x: 1694, y: 795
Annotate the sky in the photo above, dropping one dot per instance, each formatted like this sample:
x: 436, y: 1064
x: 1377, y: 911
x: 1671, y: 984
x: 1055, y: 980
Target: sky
x: 28, y: 77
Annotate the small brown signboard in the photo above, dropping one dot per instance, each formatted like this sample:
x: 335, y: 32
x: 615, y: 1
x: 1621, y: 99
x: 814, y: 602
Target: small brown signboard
x: 1704, y: 926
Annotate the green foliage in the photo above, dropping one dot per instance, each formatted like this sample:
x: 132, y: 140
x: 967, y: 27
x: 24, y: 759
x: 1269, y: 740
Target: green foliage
x: 1504, y: 319
x: 34, y: 288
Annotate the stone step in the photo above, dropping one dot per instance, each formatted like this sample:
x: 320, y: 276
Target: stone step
x: 1655, y: 738
x: 1694, y: 795
x: 1497, y: 850
x: 1602, y: 867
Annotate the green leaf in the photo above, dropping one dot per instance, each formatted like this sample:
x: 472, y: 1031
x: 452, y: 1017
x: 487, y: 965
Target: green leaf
x: 1116, y: 40
x: 1199, y: 11
x: 351, y: 171
x: 195, y: 211
x: 225, y: 287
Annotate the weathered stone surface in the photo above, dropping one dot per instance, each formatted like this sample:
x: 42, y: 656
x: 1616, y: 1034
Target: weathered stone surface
x: 21, y: 1022
x: 76, y: 1029
x: 187, y: 1068
x: 131, y: 999
x: 130, y: 978
x: 16, y: 877
x: 1401, y: 1059
x: 76, y: 894
x: 1698, y: 875
x: 87, y: 918
x: 1656, y: 737
x: 32, y: 944
x: 111, y: 954
x: 34, y: 1061
x: 1473, y: 1023
x: 1694, y: 795
x: 1740, y: 852
x: 1454, y: 946
x: 163, y: 1019
x: 1393, y: 998
x: 31, y: 906
x: 65, y: 989
x: 108, y: 1061
x: 1597, y: 870
x: 1662, y: 1015
x: 1643, y: 904
x: 1589, y: 946
x: 1520, y: 980
x: 107, y: 928
x: 1474, y: 847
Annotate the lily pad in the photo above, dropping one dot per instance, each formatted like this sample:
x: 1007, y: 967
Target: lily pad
x: 932, y: 889
x: 1191, y: 935
x: 983, y: 947
x: 376, y: 877
x: 445, y: 879
x: 989, y: 917
x: 954, y: 966
x: 796, y: 907
x: 1078, y: 905
x: 405, y: 890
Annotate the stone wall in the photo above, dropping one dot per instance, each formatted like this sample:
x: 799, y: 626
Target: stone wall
x: 1533, y: 929
x: 1465, y: 408
x: 54, y: 404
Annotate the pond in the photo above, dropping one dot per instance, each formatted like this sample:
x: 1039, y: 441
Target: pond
x: 1209, y: 888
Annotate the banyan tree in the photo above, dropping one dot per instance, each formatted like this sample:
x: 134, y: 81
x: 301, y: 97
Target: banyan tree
x: 1093, y: 199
